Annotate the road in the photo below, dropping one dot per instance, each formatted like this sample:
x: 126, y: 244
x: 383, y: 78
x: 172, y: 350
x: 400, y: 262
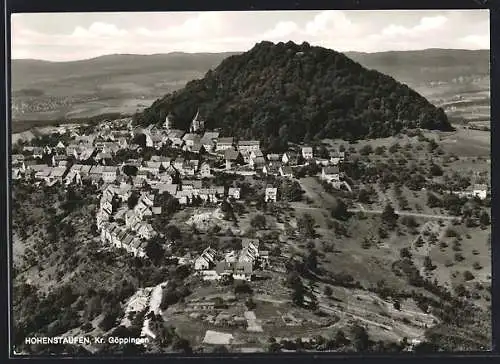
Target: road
x: 405, y: 213
x: 379, y: 212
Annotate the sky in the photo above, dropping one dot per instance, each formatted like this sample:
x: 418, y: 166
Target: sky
x: 74, y: 36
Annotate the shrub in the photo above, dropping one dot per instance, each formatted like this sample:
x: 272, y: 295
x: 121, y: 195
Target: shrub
x: 477, y: 266
x: 459, y: 257
x: 468, y: 276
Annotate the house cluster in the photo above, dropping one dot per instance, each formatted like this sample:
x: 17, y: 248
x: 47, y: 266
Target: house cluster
x: 122, y: 226
x: 241, y: 265
x: 480, y: 191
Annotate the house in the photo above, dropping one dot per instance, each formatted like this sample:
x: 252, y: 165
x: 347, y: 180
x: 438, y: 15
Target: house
x: 330, y: 173
x: 257, y: 163
x: 17, y: 159
x: 109, y: 174
x: 58, y: 173
x: 73, y: 177
x: 234, y: 192
x: 286, y: 171
x: 271, y: 170
x: 59, y: 160
x: 205, y: 170
x: 169, y: 188
x: 224, y: 143
x: 191, y: 139
x: 271, y: 194
x: 480, y: 191
x: 273, y: 158
x: 16, y: 174
x: 184, y: 196
x: 256, y: 154
x: 190, y: 167
x: 232, y: 158
x: 151, y: 167
x: 209, y: 140
x: 224, y: 268
x: 248, y: 145
x: 264, y: 258
x: 38, y: 153
x: 175, y: 137
x: 252, y: 244
x: 157, y: 141
x: 307, y: 152
x: 243, y: 271
x: 337, y: 157
x: 85, y: 170
x: 289, y: 158
x: 179, y: 163
x: 60, y: 146
x: 146, y: 231
x: 206, y: 260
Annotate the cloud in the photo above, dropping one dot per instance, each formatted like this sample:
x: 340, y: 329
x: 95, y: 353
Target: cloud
x: 238, y: 31
x: 327, y: 21
x: 282, y: 29
x: 479, y: 41
x: 425, y: 24
x: 99, y: 29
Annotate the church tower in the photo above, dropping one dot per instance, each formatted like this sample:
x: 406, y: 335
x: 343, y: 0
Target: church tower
x: 197, y: 125
x: 168, y: 122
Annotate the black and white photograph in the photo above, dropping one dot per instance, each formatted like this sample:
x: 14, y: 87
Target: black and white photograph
x: 189, y: 183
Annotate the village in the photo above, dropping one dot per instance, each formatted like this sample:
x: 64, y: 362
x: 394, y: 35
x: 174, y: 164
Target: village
x: 187, y: 166
x: 184, y: 179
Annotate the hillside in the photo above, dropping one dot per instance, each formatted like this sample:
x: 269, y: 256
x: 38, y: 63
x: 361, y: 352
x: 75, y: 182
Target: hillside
x: 289, y: 92
x: 128, y: 83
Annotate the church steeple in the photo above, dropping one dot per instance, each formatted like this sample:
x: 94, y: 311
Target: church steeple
x: 168, y: 122
x: 197, y: 124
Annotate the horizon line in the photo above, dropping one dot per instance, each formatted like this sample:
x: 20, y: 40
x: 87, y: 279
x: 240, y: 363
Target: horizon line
x: 184, y: 52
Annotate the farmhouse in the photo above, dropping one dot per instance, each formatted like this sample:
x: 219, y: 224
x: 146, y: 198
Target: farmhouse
x: 330, y: 173
x: 232, y: 157
x: 109, y: 174
x: 286, y: 171
x: 337, y: 157
x: 205, y: 170
x: 271, y: 194
x: 225, y: 143
x: 307, y: 153
x: 206, y: 260
x: 175, y: 137
x: 209, y: 140
x: 248, y: 145
x: 234, y: 192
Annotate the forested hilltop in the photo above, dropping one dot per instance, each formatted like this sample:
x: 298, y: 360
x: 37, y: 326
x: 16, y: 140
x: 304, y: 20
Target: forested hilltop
x: 292, y: 93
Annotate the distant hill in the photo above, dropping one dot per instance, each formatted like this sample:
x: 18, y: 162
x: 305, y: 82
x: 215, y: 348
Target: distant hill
x: 428, y: 65
x: 28, y: 72
x: 288, y: 92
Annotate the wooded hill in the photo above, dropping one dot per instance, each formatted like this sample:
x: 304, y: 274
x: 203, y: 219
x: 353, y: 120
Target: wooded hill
x: 283, y: 93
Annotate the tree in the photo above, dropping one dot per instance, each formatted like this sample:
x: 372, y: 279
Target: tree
x: 305, y: 224
x: 405, y: 253
x: 361, y: 339
x: 340, y: 211
x: 132, y: 200
x: 172, y: 232
x: 484, y: 219
x: 435, y: 170
x: 154, y: 251
x: 130, y: 171
x: 468, y: 276
x: 258, y: 222
x: 389, y: 216
x: 328, y: 291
